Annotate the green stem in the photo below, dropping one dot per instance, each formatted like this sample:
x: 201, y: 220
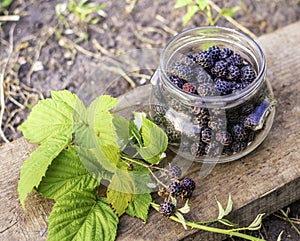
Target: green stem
x: 211, y: 229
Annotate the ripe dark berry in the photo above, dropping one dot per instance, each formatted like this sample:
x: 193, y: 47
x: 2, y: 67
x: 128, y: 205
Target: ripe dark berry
x: 213, y: 149
x: 235, y: 59
x: 197, y: 149
x: 167, y: 209
x: 220, y: 68
x: 224, y: 137
x: 201, y: 76
x: 175, y: 189
x: 223, y: 87
x: 201, y: 121
x: 159, y: 119
x: 182, y: 71
x: 188, y: 184
x: 214, y: 52
x: 174, y: 172
x: 189, y: 87
x: 225, y: 53
x: 173, y: 134
x: 206, y: 135
x: 239, y: 133
x: 177, y: 81
x: 233, y: 72
x: 206, y: 90
x: 159, y: 109
x: 247, y: 73
x: 238, y: 146
x: 204, y: 59
x: 217, y: 123
x: 199, y: 111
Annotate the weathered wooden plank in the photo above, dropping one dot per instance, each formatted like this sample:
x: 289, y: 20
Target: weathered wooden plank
x: 264, y: 181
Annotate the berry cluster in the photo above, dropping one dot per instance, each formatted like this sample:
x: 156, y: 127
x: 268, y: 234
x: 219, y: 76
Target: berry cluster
x: 176, y: 189
x: 207, y: 132
x: 212, y: 72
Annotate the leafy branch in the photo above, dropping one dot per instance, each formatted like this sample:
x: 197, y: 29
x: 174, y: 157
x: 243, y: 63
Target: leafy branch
x: 80, y: 148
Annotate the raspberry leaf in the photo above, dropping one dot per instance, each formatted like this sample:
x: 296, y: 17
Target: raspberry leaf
x: 121, y: 126
x: 50, y: 117
x: 66, y: 174
x: 120, y: 191
x: 139, y: 206
x: 34, y: 169
x: 155, y: 142
x: 79, y: 215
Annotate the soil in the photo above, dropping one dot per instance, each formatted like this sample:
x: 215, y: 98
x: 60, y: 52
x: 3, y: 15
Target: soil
x: 53, y: 51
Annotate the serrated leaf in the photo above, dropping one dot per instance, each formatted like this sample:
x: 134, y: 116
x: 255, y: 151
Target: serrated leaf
x: 48, y: 118
x: 230, y: 12
x: 182, y: 3
x: 121, y: 126
x: 80, y: 216
x: 155, y: 142
x: 66, y: 174
x: 191, y: 11
x: 221, y: 210
x: 34, y: 169
x: 202, y: 4
x: 256, y: 224
x: 229, y: 205
x: 100, y: 119
x: 139, y: 206
x: 120, y: 191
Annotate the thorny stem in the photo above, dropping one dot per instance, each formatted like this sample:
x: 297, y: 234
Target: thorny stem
x: 229, y: 232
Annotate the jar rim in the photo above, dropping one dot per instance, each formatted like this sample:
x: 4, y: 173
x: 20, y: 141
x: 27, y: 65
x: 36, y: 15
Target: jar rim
x: 216, y: 100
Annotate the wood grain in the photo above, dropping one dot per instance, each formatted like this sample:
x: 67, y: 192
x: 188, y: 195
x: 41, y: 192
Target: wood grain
x: 262, y: 182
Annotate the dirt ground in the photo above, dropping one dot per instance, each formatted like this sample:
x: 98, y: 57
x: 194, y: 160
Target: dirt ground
x: 46, y: 51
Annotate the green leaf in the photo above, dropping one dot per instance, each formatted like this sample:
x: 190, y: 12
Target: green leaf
x: 182, y: 3
x: 120, y: 191
x: 256, y: 224
x: 221, y: 210
x: 181, y: 219
x: 139, y: 206
x: 155, y: 142
x: 202, y: 4
x: 48, y: 118
x: 229, y: 205
x: 226, y: 222
x: 191, y: 11
x: 100, y: 119
x: 36, y: 166
x: 121, y: 126
x: 135, y: 133
x: 230, y: 12
x: 66, y: 174
x: 5, y: 3
x: 186, y: 208
x: 80, y: 216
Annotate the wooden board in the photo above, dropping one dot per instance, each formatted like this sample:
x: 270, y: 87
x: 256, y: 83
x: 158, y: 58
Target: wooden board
x: 262, y: 182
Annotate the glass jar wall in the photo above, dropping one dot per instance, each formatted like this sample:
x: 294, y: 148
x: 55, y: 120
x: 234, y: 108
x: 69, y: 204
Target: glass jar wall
x: 211, y: 95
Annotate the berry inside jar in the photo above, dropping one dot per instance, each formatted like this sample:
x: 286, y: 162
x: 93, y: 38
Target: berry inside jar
x: 212, y: 132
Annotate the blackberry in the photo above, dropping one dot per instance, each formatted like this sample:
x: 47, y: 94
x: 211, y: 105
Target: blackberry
x: 227, y: 151
x: 235, y: 59
x: 204, y: 59
x: 189, y: 87
x: 173, y: 134
x: 175, y: 189
x: 206, y: 90
x: 206, y: 135
x: 238, y: 146
x: 223, y: 87
x: 239, y: 86
x: 217, y: 124
x: 239, y: 133
x: 174, y: 172
x: 201, y: 121
x: 233, y: 72
x: 199, y: 111
x: 213, y: 149
x: 177, y: 81
x: 159, y: 119
x: 188, y: 184
x: 201, y: 76
x: 167, y: 209
x: 159, y: 109
x: 224, y: 137
x: 187, y: 60
x: 248, y: 73
x: 220, y: 68
x: 197, y: 149
x: 225, y: 53
x: 214, y: 52
x: 182, y: 71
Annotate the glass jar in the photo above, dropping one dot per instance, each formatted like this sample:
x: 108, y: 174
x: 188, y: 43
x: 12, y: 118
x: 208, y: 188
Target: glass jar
x: 211, y: 128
